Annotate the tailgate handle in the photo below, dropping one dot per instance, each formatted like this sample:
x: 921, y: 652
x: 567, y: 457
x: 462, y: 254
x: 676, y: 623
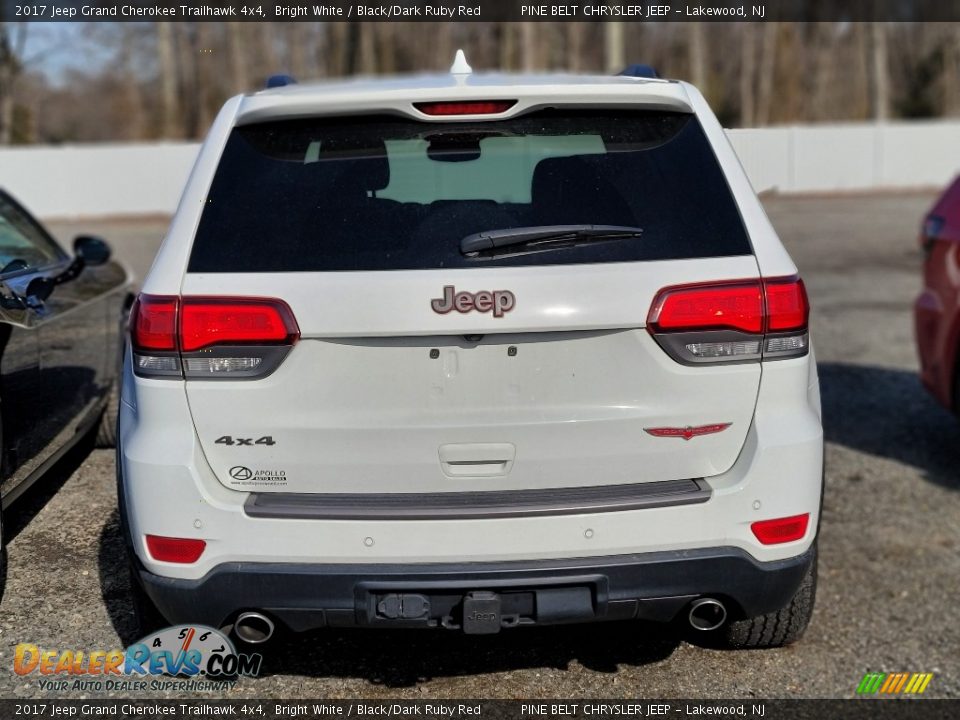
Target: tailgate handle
x: 477, y: 459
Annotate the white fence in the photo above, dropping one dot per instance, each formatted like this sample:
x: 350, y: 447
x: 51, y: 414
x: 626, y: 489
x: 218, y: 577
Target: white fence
x: 827, y: 158
x: 99, y: 180
x: 96, y: 180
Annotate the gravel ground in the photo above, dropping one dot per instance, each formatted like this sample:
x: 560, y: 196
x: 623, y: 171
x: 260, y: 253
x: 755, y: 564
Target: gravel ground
x: 889, y: 564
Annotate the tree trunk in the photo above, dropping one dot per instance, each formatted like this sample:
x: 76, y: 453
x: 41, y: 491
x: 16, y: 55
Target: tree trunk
x: 166, y: 57
x: 768, y: 69
x: 186, y: 59
x: 574, y: 31
x: 881, y: 73
x: 697, y: 55
x: 8, y: 71
x: 951, y: 72
x: 239, y: 79
x: 135, y: 124
x: 339, y: 54
x: 507, y: 45
x: 748, y: 71
x: 368, y: 49
x: 528, y: 46
x: 614, y: 54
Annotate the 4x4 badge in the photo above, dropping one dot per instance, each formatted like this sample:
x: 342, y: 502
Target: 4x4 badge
x: 498, y: 302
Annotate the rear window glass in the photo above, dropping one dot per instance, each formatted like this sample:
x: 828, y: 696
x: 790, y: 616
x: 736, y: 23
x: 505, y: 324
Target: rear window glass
x: 393, y: 194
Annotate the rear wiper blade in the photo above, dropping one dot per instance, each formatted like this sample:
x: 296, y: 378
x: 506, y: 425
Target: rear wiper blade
x: 544, y: 235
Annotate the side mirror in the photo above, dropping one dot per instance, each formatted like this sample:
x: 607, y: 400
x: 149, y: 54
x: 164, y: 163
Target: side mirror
x: 92, y: 250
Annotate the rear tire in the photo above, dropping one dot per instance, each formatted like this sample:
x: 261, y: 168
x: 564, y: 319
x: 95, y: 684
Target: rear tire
x: 776, y: 629
x: 147, y: 617
x: 107, y: 428
x: 3, y: 559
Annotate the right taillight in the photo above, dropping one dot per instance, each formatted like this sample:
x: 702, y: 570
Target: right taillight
x: 737, y: 321
x: 211, y: 338
x: 175, y: 550
x: 781, y: 530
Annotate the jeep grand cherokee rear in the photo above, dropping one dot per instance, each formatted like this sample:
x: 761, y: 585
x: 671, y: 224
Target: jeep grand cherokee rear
x: 472, y: 352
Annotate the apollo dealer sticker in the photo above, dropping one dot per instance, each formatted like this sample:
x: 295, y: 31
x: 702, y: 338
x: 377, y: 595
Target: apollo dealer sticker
x: 257, y: 477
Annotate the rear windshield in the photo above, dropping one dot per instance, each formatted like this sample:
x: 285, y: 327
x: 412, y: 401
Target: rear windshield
x: 393, y: 194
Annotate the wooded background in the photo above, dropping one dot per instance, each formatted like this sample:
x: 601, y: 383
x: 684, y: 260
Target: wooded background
x: 152, y: 80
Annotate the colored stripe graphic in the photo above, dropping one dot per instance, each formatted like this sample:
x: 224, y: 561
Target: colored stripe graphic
x: 894, y: 683
x: 870, y: 683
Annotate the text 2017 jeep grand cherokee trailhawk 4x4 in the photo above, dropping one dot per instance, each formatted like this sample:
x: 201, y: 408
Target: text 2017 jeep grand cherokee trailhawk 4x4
x: 472, y: 352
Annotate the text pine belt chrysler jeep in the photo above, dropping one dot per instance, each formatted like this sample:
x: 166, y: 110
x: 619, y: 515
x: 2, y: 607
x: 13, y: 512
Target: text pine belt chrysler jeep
x: 472, y: 352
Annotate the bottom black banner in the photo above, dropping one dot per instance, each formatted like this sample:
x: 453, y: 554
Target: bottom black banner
x: 859, y: 709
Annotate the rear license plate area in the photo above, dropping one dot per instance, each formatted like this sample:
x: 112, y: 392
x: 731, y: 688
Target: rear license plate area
x: 476, y: 612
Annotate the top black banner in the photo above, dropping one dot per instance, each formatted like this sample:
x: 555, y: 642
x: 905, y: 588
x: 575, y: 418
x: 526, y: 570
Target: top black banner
x: 483, y: 11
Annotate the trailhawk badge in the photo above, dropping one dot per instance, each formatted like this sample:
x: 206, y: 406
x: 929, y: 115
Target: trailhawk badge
x: 498, y: 302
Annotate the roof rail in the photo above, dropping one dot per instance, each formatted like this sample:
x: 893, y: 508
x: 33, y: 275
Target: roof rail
x: 639, y: 70
x: 275, y: 81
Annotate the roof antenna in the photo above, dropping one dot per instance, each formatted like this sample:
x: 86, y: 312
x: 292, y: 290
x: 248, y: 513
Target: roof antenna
x: 460, y: 65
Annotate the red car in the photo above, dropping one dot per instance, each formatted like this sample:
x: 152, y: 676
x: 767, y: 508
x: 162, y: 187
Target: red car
x: 937, y: 310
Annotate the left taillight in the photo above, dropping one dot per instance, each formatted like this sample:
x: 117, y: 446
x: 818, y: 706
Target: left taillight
x: 210, y: 338
x: 737, y: 321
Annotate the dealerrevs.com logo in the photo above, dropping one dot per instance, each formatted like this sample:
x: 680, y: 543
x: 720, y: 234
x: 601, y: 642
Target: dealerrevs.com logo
x: 187, y: 657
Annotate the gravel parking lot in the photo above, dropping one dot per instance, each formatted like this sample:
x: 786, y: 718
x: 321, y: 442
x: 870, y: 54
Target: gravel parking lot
x: 889, y: 563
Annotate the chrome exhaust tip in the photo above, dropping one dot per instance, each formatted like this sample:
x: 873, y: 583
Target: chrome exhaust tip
x: 253, y: 627
x: 707, y: 614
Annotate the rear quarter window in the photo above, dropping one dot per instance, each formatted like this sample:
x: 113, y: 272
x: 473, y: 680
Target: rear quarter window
x: 391, y: 194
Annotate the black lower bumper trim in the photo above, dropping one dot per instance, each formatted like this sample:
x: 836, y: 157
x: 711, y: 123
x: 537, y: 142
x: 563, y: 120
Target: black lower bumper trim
x: 651, y: 586
x: 477, y: 504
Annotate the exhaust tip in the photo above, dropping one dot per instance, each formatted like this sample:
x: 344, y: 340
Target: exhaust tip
x: 707, y: 614
x: 253, y: 627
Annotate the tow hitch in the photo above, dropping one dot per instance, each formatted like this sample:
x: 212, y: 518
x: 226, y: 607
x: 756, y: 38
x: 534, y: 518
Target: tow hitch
x: 481, y: 613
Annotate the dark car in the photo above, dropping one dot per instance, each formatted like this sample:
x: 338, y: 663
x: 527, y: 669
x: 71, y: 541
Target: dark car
x: 937, y: 310
x: 61, y: 321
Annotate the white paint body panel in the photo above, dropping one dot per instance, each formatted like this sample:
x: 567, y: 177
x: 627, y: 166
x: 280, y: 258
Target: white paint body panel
x: 358, y: 405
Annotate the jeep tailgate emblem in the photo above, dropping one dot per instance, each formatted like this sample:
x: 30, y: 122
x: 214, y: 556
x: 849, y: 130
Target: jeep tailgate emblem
x: 497, y: 301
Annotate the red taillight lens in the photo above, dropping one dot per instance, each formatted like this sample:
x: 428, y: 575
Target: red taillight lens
x: 736, y: 306
x: 787, y: 305
x: 240, y: 338
x: 220, y: 321
x: 781, y: 530
x: 153, y: 323
x: 483, y: 107
x: 736, y: 321
x: 175, y: 550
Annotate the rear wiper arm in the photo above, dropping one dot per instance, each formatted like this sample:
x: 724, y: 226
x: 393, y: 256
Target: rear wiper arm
x: 544, y: 235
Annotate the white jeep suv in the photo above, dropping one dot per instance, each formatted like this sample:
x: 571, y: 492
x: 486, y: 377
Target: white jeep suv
x: 472, y: 352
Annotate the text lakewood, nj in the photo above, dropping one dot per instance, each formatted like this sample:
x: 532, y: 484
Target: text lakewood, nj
x: 640, y: 11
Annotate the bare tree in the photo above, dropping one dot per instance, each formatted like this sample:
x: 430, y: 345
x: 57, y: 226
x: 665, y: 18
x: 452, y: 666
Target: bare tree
x: 12, y: 43
x: 131, y: 94
x: 951, y: 70
x: 528, y: 45
x: 574, y: 45
x: 239, y: 79
x: 881, y: 72
x: 167, y: 62
x: 615, y: 56
x: 748, y: 71
x: 697, y: 55
x: 768, y: 69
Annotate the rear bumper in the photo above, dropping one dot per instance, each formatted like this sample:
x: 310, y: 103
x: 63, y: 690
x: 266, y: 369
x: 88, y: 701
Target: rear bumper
x: 651, y: 586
